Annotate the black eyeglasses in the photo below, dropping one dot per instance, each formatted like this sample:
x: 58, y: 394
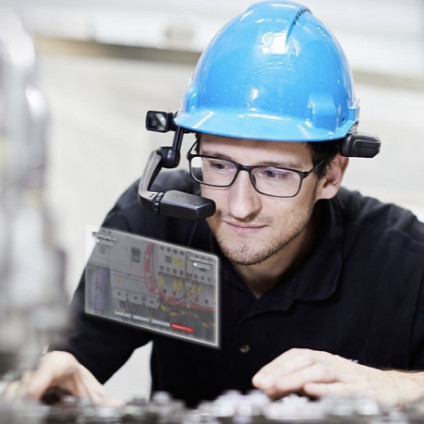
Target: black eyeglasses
x: 270, y: 180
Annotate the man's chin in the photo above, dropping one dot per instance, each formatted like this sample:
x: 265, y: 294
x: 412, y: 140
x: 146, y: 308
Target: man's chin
x: 243, y: 257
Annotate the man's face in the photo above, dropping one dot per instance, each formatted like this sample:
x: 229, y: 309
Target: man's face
x: 251, y: 227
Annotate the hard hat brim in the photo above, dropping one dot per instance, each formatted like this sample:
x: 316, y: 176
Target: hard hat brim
x: 257, y: 126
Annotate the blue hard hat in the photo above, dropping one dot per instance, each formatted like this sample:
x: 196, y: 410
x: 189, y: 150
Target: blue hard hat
x: 274, y: 72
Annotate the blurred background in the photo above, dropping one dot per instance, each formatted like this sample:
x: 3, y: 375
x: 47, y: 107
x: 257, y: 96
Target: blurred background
x: 103, y: 63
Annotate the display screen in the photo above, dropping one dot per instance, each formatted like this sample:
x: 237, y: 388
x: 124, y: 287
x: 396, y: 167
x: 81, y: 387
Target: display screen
x: 156, y: 286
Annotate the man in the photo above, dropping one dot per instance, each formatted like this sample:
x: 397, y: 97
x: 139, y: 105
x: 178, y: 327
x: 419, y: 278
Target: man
x: 321, y: 288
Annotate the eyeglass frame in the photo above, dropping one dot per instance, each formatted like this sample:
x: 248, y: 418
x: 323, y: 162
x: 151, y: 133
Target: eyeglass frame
x: 249, y: 169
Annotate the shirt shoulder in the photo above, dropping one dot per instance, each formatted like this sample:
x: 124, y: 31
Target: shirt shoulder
x: 370, y: 214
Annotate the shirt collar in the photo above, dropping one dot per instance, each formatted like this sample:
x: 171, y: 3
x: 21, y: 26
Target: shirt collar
x: 317, y: 277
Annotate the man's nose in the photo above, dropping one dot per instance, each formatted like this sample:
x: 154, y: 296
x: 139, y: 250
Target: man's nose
x: 243, y: 199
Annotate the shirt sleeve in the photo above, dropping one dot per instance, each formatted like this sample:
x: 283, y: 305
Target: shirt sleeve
x: 103, y: 345
x: 99, y: 344
x: 417, y: 340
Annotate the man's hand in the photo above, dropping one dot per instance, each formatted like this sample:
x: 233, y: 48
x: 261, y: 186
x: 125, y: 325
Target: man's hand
x: 318, y: 374
x: 59, y: 370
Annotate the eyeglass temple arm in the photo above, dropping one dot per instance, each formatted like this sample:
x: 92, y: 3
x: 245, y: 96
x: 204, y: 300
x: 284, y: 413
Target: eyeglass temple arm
x: 173, y: 203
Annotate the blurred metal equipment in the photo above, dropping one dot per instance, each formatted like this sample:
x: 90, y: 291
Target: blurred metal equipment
x: 32, y: 294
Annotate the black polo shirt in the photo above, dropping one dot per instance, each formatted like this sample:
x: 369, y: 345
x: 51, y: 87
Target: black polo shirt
x: 358, y: 294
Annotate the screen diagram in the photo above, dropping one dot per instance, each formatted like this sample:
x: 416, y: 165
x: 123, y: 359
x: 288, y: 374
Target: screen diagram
x: 154, y: 285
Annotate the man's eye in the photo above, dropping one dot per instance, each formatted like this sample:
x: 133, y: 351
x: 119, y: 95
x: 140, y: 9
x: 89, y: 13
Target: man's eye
x: 219, y: 165
x: 275, y: 174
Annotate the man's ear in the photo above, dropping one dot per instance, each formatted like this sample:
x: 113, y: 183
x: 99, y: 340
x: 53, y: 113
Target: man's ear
x: 330, y: 183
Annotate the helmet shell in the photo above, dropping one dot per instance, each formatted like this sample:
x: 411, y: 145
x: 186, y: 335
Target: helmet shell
x: 274, y: 73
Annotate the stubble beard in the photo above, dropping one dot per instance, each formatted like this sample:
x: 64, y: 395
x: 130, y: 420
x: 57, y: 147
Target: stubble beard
x: 244, y: 252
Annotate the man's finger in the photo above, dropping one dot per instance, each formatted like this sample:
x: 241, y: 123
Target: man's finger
x: 280, y: 384
x: 325, y: 389
x: 288, y: 362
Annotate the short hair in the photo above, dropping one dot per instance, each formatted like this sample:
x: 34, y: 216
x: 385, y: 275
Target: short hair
x: 323, y: 152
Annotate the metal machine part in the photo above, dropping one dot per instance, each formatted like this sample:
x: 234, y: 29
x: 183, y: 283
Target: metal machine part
x: 32, y: 292
x: 154, y: 285
x: 231, y: 407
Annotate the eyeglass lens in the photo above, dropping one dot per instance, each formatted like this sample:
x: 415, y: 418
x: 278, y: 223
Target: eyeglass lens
x: 266, y: 179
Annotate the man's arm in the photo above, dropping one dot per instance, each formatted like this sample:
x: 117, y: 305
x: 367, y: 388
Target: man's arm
x: 317, y: 374
x: 59, y: 370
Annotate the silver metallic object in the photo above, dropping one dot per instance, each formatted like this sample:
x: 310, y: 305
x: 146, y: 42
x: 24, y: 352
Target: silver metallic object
x: 32, y: 293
